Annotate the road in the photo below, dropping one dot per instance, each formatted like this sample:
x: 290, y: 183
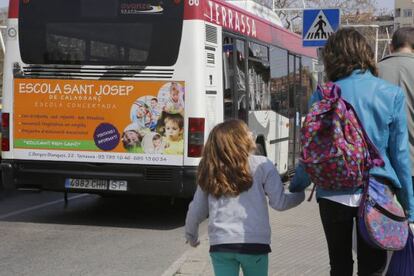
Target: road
x: 90, y: 236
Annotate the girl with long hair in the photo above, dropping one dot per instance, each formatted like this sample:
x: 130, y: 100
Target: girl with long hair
x: 232, y: 188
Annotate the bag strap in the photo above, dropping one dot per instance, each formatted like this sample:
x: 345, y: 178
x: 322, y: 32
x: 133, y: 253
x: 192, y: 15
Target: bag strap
x: 367, y: 199
x: 384, y: 211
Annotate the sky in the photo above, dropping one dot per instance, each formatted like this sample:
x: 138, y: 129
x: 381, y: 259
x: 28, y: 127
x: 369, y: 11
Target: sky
x: 388, y: 4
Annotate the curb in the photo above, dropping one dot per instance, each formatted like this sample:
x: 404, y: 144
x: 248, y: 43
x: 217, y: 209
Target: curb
x: 193, y: 262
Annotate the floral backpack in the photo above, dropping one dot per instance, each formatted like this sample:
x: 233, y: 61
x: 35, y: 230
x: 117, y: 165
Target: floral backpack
x: 336, y: 152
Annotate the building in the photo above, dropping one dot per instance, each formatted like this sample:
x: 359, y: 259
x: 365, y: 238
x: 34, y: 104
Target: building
x: 377, y: 29
x: 403, y: 13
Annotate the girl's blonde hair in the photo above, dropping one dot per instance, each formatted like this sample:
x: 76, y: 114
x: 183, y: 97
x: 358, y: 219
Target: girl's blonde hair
x: 224, y: 167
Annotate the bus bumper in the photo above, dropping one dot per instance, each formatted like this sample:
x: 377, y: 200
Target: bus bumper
x: 176, y: 181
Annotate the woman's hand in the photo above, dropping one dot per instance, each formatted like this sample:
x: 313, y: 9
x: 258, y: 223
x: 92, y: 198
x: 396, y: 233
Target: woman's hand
x: 300, y: 180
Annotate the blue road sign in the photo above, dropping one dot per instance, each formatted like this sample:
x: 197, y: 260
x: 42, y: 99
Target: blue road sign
x: 318, y: 25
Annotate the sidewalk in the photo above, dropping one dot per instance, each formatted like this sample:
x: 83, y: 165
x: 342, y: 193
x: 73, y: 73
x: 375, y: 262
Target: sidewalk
x: 298, y: 246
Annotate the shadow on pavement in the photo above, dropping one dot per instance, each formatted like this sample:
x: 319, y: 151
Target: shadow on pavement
x: 93, y: 210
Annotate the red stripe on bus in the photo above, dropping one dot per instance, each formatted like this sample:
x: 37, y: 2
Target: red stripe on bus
x: 235, y: 19
x: 13, y: 9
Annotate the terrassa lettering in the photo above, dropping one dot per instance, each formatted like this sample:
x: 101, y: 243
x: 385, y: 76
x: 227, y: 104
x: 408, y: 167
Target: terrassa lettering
x: 77, y: 89
x: 231, y: 19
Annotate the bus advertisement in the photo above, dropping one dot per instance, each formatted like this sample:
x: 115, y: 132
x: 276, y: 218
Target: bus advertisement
x: 107, y: 120
x: 118, y: 96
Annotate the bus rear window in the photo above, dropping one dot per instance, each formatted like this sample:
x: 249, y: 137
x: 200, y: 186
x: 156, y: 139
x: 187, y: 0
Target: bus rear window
x: 96, y: 32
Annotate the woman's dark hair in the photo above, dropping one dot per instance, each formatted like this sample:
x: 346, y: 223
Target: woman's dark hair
x: 403, y: 37
x: 345, y: 51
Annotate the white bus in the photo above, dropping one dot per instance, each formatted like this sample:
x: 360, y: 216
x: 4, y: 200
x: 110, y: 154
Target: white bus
x: 118, y: 96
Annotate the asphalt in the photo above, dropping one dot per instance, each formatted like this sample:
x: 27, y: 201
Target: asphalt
x: 298, y: 246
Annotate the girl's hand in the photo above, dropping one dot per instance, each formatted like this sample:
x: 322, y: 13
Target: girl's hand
x: 193, y: 243
x: 412, y: 227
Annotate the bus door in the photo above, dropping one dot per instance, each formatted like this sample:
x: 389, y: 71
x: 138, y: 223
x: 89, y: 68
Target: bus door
x: 294, y: 97
x: 234, y: 78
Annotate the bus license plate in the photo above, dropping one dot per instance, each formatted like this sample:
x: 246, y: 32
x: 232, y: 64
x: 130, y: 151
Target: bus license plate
x: 89, y: 184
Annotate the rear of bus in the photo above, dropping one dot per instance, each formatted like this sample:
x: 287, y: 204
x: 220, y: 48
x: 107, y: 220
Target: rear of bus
x: 98, y: 97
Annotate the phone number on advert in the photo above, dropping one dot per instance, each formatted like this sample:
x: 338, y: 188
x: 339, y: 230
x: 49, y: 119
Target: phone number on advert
x: 100, y: 157
x: 133, y: 158
x: 150, y: 158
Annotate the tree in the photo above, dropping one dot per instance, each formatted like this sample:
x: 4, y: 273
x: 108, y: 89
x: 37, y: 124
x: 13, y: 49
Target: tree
x: 352, y: 11
x: 350, y: 7
x: 287, y: 16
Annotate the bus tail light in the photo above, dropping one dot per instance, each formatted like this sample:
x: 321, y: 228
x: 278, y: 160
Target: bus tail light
x: 195, y: 136
x: 5, y: 132
x: 13, y: 8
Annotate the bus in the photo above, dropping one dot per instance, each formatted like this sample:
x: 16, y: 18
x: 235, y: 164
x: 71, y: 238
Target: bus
x: 118, y: 96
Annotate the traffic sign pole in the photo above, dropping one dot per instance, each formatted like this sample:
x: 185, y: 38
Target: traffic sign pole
x: 320, y: 62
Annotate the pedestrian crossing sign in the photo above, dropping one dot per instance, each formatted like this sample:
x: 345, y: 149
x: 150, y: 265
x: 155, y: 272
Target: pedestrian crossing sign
x: 318, y: 25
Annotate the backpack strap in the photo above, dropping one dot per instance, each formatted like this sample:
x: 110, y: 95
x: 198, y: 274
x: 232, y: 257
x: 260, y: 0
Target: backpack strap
x: 329, y: 91
x: 312, y: 192
x: 372, y: 149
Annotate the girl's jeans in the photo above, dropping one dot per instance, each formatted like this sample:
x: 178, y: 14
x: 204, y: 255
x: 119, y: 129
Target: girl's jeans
x: 228, y: 264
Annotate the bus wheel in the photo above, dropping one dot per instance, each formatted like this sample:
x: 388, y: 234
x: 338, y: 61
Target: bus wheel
x: 260, y: 150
